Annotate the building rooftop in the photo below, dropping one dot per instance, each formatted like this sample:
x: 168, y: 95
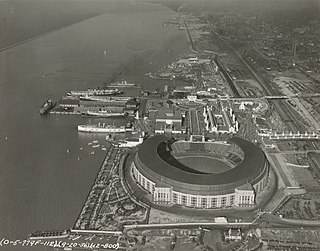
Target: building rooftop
x: 168, y: 114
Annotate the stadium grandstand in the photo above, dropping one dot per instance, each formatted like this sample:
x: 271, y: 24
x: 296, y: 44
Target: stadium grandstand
x: 201, y: 174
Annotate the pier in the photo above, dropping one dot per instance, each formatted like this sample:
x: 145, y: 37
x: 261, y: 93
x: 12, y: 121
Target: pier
x: 193, y: 48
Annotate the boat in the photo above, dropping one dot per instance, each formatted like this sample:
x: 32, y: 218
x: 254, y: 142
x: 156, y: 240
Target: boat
x: 81, y: 148
x: 47, y: 106
x: 129, y: 127
x: 91, y: 153
x: 104, y: 149
x: 112, y: 100
x: 101, y: 128
x: 95, y: 141
x: 90, y: 143
x: 94, y: 92
x: 131, y: 142
x: 95, y: 146
x: 122, y: 84
x: 105, y: 114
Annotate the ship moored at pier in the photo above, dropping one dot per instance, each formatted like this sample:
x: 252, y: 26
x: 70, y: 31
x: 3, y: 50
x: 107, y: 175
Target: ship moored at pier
x: 105, y: 114
x: 104, y: 99
x: 94, y: 92
x: 104, y: 128
x: 122, y: 84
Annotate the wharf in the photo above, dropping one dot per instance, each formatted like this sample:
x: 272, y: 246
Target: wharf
x: 157, y: 77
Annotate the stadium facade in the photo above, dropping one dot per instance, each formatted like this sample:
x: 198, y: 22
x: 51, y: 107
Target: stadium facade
x: 157, y: 170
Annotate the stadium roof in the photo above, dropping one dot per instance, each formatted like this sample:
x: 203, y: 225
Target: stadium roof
x: 152, y: 155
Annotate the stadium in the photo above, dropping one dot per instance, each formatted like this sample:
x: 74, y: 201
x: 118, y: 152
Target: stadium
x: 201, y: 174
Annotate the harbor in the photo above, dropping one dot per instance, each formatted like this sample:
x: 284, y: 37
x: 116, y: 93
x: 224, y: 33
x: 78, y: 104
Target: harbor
x: 101, y: 102
x: 41, y: 142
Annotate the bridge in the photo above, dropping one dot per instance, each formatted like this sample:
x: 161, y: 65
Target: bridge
x: 277, y: 97
x: 294, y: 135
x: 298, y: 95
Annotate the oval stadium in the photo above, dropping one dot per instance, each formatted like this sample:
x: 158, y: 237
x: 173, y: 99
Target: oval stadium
x: 201, y: 174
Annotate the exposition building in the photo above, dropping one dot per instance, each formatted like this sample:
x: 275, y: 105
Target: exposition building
x: 201, y: 174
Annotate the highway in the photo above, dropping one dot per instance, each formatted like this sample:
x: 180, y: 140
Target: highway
x: 228, y: 78
x: 269, y: 218
x: 190, y: 225
x: 298, y: 152
x: 288, y: 223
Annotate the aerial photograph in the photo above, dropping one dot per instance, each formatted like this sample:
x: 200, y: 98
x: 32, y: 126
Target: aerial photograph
x: 137, y: 125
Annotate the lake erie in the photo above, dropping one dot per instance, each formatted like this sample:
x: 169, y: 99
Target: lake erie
x: 42, y: 186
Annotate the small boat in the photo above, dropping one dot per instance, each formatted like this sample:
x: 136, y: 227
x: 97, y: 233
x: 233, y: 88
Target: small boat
x: 90, y: 143
x: 79, y: 158
x: 104, y: 149
x: 95, y: 141
x: 95, y: 146
x: 92, y: 153
x: 81, y: 148
x: 68, y: 150
x: 47, y: 106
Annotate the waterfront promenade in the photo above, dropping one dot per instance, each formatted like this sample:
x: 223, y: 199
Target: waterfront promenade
x: 89, y: 210
x: 109, y: 205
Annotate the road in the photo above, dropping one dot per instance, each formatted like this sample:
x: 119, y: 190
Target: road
x: 228, y: 78
x: 190, y: 225
x: 298, y: 152
x: 289, y: 223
